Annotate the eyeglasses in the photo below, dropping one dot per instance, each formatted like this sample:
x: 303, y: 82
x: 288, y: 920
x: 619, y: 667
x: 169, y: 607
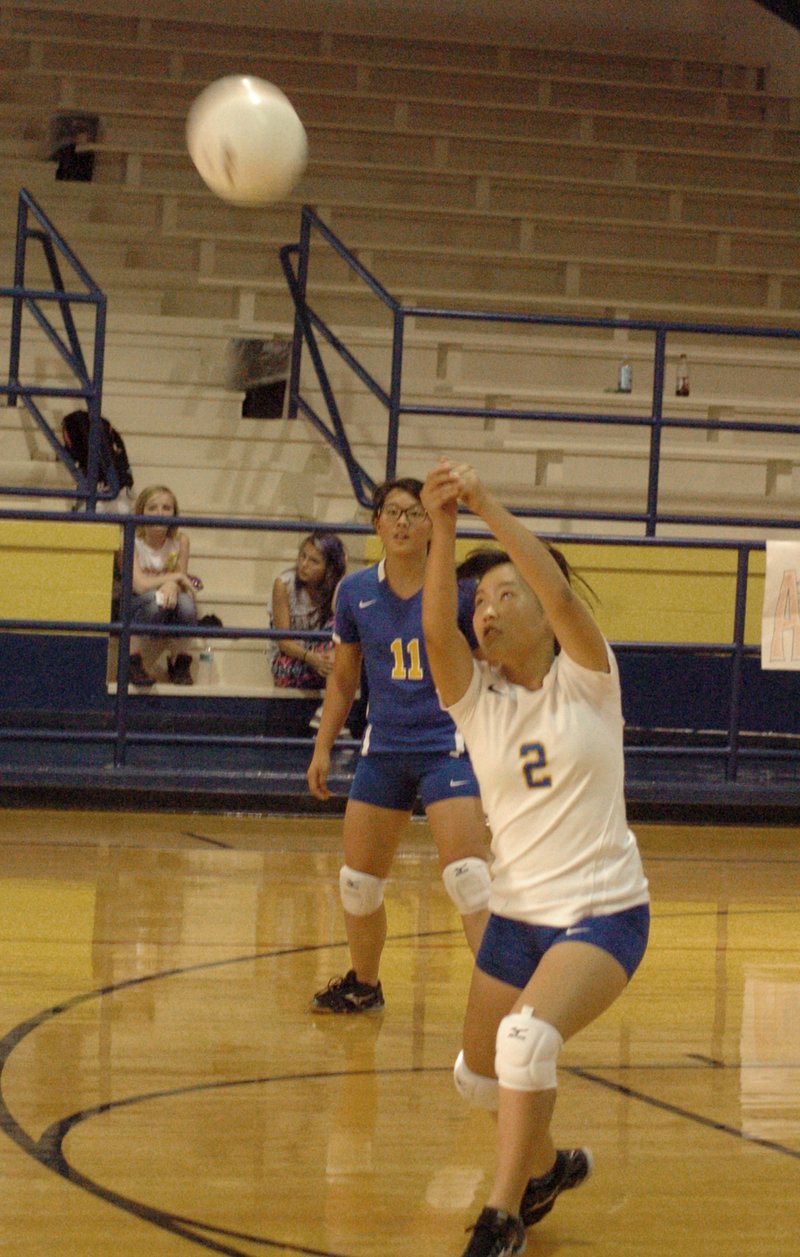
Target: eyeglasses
x: 414, y: 514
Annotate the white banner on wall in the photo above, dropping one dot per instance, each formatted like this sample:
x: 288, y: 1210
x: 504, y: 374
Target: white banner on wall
x: 780, y: 620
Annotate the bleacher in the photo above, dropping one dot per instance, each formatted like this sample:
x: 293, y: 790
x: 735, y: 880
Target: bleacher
x: 537, y: 180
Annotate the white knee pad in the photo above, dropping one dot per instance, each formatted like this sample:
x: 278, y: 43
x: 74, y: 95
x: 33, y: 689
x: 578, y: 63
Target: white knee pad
x: 476, y: 1089
x: 467, y: 882
x: 527, y: 1049
x: 362, y: 894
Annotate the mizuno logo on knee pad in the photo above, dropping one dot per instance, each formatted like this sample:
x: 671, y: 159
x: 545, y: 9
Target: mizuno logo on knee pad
x: 468, y: 883
x: 526, y: 1052
x: 361, y: 893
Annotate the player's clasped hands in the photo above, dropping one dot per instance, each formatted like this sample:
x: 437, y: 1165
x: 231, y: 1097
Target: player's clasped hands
x: 449, y: 483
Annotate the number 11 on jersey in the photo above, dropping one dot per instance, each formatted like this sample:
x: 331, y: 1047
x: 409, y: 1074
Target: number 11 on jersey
x: 414, y: 670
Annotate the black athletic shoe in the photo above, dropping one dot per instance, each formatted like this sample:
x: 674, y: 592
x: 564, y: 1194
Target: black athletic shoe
x: 138, y: 674
x: 179, y: 670
x: 496, y: 1234
x: 348, y: 995
x: 572, y: 1168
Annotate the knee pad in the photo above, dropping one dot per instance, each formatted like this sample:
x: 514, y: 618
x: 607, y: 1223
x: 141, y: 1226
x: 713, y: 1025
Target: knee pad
x: 467, y: 882
x: 476, y: 1089
x: 362, y: 894
x: 527, y: 1049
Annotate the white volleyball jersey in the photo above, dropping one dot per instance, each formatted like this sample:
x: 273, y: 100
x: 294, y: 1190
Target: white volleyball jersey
x: 550, y: 767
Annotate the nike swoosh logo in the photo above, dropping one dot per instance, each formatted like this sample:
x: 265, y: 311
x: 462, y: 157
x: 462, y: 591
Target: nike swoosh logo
x: 453, y: 784
x: 576, y: 929
x: 495, y: 689
x: 358, y: 1000
x: 366, y: 602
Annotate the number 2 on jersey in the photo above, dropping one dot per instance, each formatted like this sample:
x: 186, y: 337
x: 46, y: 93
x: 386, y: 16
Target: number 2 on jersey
x: 414, y: 670
x: 535, y: 758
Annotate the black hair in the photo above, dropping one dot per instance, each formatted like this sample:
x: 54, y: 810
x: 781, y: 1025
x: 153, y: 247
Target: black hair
x: 332, y: 550
x: 381, y: 492
x: 482, y: 559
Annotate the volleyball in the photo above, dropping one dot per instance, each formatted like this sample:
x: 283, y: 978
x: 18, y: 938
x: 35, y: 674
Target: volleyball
x: 246, y: 140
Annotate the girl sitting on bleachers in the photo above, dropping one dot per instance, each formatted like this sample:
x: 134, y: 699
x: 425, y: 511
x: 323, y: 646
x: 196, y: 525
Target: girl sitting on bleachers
x: 302, y: 598
x: 163, y: 592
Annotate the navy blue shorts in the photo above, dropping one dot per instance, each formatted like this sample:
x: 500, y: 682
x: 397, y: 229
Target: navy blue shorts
x: 511, y: 950
x: 393, y: 781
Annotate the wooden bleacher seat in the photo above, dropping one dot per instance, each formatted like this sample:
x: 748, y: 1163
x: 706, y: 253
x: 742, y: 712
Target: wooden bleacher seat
x: 560, y: 180
x: 430, y: 48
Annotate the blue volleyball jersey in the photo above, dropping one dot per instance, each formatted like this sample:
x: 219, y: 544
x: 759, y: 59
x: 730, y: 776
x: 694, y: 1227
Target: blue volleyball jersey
x: 404, y: 712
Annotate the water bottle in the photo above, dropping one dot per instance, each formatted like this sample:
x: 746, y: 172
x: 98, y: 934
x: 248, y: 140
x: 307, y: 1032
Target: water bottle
x: 625, y: 379
x: 682, y: 377
x: 205, y: 664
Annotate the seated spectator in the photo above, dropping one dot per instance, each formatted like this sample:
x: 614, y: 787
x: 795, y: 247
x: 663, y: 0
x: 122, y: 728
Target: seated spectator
x: 163, y: 591
x: 302, y: 598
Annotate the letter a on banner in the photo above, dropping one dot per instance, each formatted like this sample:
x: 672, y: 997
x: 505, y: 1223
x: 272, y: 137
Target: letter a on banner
x: 780, y: 621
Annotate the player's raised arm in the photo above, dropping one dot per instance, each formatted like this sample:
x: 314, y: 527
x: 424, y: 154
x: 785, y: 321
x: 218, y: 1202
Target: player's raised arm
x: 571, y: 620
x: 449, y: 654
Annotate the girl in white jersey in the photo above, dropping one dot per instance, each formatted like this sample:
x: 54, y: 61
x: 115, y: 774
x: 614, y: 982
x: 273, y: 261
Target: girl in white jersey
x: 541, y: 716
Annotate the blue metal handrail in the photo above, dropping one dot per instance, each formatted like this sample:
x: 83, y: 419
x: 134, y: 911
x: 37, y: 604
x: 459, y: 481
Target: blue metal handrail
x: 729, y: 750
x: 124, y: 625
x: 89, y: 387
x: 310, y: 330
x: 308, y: 323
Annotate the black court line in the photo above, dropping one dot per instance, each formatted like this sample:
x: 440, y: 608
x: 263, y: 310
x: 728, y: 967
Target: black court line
x: 708, y: 1060
x: 48, y: 1150
x: 665, y: 1106
x: 51, y: 1141
x: 212, y: 842
x: 50, y: 1155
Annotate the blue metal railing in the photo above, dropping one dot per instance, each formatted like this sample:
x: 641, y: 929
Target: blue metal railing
x: 310, y: 331
x: 727, y: 749
x: 67, y: 343
x: 309, y: 327
x: 124, y: 626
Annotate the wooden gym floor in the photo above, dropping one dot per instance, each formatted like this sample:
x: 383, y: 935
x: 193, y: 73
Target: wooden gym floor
x: 166, y: 1091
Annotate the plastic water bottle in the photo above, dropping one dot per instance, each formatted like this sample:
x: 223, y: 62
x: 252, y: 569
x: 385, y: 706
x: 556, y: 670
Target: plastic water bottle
x: 682, y: 377
x: 625, y: 379
x: 205, y: 664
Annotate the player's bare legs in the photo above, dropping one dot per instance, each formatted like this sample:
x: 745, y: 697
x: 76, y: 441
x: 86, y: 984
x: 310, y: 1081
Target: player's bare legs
x: 573, y: 984
x: 459, y: 830
x: 371, y: 836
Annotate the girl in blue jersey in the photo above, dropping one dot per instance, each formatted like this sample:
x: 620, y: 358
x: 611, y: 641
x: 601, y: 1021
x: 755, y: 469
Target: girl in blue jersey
x: 410, y: 747
x: 542, y: 717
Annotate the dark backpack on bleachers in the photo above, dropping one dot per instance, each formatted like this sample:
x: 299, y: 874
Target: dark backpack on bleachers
x: 113, y: 462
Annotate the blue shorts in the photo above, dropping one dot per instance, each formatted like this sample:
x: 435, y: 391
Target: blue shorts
x: 394, y: 781
x: 511, y: 950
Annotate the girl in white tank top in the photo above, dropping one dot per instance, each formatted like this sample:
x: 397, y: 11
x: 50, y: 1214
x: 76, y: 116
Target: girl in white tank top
x: 162, y: 590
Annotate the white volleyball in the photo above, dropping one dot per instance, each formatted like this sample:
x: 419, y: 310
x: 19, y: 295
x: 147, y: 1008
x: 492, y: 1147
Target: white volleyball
x: 246, y: 140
